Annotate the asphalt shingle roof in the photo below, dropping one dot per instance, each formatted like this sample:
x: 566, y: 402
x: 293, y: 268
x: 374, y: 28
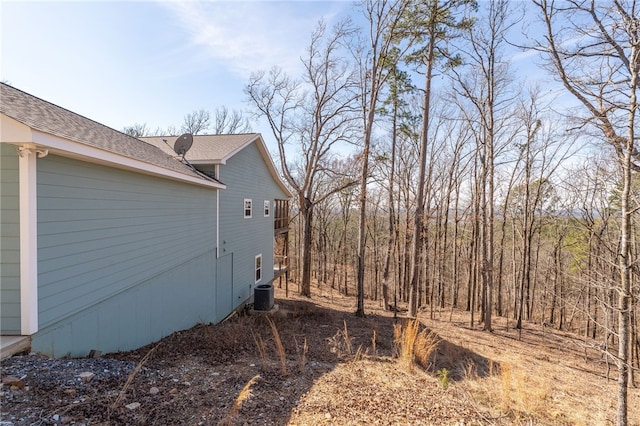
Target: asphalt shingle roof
x: 46, y: 117
x: 209, y: 148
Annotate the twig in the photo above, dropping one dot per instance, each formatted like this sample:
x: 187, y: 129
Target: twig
x: 132, y: 375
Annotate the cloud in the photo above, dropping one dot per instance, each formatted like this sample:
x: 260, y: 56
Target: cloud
x: 247, y: 36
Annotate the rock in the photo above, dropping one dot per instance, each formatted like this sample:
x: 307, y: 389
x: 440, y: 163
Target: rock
x: 133, y: 405
x: 327, y: 416
x: 173, y: 391
x: 86, y: 376
x: 13, y: 382
x: 70, y: 392
x: 154, y: 390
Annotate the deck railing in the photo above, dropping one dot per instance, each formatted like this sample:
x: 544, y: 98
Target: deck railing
x: 281, y: 221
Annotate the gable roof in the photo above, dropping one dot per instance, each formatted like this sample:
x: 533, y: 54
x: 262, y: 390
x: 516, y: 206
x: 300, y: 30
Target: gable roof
x: 206, y: 149
x: 218, y: 149
x: 48, y: 118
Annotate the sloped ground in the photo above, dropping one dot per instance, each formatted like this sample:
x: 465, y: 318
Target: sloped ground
x: 337, y: 369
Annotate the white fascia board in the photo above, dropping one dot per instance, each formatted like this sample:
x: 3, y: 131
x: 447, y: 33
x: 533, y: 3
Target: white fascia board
x: 207, y: 162
x: 13, y: 131
x: 72, y: 149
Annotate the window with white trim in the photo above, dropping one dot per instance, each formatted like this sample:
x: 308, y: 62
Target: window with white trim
x: 247, y: 208
x: 267, y: 208
x: 258, y: 268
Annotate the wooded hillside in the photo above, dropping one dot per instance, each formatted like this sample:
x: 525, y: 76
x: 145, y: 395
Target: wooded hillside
x: 453, y: 154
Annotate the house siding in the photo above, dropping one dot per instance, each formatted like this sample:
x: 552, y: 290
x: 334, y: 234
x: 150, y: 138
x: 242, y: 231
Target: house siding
x: 247, y: 177
x: 124, y: 259
x: 10, y: 237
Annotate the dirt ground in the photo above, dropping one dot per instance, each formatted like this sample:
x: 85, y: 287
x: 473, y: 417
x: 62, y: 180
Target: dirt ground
x: 331, y: 368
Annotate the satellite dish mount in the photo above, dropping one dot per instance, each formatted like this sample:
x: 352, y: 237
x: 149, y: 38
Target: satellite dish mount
x: 183, y: 143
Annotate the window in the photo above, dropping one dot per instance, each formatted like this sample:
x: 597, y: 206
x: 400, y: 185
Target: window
x: 267, y: 208
x: 258, y: 268
x: 247, y: 208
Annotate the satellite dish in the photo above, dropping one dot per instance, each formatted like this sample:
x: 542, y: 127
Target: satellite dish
x: 183, y: 143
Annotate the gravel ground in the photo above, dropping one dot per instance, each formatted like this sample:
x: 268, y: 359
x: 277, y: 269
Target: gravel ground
x: 53, y: 382
x: 195, y: 377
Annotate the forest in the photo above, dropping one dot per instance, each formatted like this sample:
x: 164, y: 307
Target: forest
x: 429, y: 174
x: 461, y: 155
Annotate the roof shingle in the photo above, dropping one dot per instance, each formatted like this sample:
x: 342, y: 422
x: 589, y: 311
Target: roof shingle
x: 206, y: 148
x: 46, y: 117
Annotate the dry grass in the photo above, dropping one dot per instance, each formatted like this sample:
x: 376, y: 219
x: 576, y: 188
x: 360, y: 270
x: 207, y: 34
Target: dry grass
x: 413, y: 345
x: 262, y: 350
x: 374, y: 349
x: 341, y: 343
x: 302, y: 355
x: 425, y: 345
x: 347, y: 340
x: 244, y: 394
x: 544, y: 378
x: 282, y: 356
x: 517, y: 396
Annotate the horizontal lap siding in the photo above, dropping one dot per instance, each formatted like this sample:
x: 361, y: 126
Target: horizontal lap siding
x: 10, y: 241
x: 118, y: 246
x: 175, y: 300
x: 247, y: 176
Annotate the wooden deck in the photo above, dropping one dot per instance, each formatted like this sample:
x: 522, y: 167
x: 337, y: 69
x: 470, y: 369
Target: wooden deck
x: 11, y: 345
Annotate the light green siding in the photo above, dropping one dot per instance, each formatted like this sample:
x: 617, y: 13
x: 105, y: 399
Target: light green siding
x: 247, y: 176
x: 9, y: 241
x: 124, y: 258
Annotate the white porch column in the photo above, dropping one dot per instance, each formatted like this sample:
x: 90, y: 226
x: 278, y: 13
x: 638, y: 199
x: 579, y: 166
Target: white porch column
x: 217, y: 176
x: 28, y: 238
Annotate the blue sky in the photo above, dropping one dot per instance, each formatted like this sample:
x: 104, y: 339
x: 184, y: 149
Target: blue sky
x: 125, y: 62
x: 153, y: 62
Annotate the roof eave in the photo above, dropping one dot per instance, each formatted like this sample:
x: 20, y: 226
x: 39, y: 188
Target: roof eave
x: 72, y: 149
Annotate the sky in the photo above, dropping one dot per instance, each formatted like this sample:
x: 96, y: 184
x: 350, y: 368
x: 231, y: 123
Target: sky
x: 152, y: 62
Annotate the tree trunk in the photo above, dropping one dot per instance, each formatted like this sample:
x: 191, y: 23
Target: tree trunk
x: 391, y: 218
x: 418, y: 224
x: 624, y: 292
x: 306, y: 210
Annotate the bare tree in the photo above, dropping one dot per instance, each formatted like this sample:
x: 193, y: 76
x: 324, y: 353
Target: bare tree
x: 310, y: 118
x: 137, y: 130
x: 593, y: 48
x: 485, y: 86
x: 427, y: 27
x: 230, y: 122
x: 398, y: 84
x: 380, y: 59
x: 196, y: 122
